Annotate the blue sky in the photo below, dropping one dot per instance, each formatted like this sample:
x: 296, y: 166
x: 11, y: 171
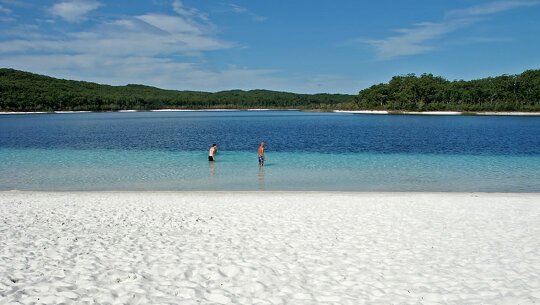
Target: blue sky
x: 298, y: 46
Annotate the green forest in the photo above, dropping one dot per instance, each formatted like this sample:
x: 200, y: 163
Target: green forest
x: 429, y: 93
x: 24, y: 91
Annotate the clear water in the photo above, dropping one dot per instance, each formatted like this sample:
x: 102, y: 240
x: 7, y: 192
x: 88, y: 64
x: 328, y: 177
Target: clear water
x: 305, y: 151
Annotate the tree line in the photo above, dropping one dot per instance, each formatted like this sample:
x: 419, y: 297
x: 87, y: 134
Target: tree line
x: 24, y: 91
x: 427, y: 93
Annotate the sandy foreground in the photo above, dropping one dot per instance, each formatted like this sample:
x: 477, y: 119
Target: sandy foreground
x: 269, y: 248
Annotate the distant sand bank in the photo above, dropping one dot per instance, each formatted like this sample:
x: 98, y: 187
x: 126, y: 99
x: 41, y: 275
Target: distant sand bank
x: 505, y: 113
x: 269, y: 248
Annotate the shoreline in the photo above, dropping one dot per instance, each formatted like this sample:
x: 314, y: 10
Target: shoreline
x: 483, y: 113
x: 374, y: 112
x: 281, y: 247
x: 273, y: 192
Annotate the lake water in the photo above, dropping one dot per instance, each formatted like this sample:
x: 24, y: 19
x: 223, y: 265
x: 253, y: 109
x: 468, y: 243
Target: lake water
x: 305, y: 151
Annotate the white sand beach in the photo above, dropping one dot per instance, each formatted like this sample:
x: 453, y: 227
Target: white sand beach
x: 269, y: 248
x: 490, y: 113
x: 187, y: 110
x: 363, y: 111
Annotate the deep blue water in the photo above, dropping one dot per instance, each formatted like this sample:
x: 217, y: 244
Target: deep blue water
x: 305, y: 151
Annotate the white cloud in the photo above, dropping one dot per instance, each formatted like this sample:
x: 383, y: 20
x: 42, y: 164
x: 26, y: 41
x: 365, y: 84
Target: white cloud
x: 410, y: 41
x: 171, y: 24
x: 74, y: 10
x: 160, y: 50
x: 490, y: 39
x: 418, y: 39
x: 190, y: 13
x: 238, y: 9
x: 4, y: 10
x: 144, y: 35
x: 159, y: 72
x: 7, y: 19
x: 490, y: 8
x: 242, y: 10
x: 148, y: 35
x: 168, y: 74
x: 156, y: 49
x: 16, y: 3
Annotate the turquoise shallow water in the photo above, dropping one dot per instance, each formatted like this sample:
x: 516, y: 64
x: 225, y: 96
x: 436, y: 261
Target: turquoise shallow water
x: 106, y: 169
x: 305, y: 151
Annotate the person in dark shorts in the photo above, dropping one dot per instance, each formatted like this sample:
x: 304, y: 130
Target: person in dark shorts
x: 261, y: 154
x: 212, y: 152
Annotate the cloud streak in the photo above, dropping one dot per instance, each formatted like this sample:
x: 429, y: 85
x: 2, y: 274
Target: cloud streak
x: 490, y: 8
x: 189, y: 13
x: 159, y: 72
x: 419, y: 38
x: 4, y: 10
x: 74, y: 10
x: 152, y: 35
x: 244, y: 11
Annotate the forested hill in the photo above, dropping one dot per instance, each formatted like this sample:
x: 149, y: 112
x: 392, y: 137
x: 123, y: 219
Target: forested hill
x: 427, y: 92
x: 23, y: 91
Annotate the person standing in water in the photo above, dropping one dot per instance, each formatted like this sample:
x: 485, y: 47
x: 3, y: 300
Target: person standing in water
x: 212, y: 152
x: 261, y: 154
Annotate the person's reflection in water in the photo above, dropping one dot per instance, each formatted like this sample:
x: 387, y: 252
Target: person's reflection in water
x: 260, y: 178
x: 212, y: 168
